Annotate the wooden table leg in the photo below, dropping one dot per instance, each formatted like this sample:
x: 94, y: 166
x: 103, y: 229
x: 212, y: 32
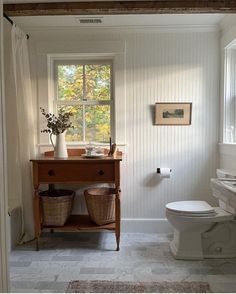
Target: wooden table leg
x: 117, y: 213
x: 37, y: 218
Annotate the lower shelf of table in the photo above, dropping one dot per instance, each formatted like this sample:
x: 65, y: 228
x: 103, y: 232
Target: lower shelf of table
x: 80, y: 223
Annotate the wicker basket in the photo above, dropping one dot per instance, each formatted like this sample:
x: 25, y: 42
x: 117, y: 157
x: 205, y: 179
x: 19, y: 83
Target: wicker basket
x: 56, y: 210
x: 101, y: 205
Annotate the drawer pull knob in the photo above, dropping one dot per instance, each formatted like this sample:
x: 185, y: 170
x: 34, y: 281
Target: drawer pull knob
x: 51, y: 173
x: 101, y: 172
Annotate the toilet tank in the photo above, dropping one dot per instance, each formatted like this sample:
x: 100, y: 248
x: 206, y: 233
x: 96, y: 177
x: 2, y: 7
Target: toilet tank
x: 224, y: 188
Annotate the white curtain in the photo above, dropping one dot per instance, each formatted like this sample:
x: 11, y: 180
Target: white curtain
x: 24, y: 130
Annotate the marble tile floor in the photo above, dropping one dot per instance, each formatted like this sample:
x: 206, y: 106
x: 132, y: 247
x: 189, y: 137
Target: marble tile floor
x: 91, y: 256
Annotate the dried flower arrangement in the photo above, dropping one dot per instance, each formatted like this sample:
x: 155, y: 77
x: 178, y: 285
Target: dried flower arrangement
x: 57, y: 124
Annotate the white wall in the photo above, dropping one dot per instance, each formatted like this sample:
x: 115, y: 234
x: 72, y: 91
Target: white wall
x: 160, y: 66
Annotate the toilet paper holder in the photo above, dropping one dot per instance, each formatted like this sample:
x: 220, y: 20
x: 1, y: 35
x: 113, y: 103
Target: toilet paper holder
x: 159, y: 170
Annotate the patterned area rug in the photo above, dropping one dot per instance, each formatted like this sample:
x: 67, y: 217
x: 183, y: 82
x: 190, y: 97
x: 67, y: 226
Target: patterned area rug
x: 137, y: 287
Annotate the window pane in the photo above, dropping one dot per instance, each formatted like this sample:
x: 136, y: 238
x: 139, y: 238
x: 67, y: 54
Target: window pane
x: 97, y: 82
x: 230, y: 94
x: 97, y: 119
x: 70, y: 82
x: 76, y: 133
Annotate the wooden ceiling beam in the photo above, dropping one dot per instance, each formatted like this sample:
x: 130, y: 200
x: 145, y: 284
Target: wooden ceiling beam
x: 121, y: 7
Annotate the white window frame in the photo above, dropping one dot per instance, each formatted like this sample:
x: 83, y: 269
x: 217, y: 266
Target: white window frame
x: 69, y: 59
x: 115, y: 50
x: 229, y: 113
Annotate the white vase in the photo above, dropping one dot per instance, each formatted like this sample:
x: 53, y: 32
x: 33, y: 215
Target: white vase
x: 60, y: 150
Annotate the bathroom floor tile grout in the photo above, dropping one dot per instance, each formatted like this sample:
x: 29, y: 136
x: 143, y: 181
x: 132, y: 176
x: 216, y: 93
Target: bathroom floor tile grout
x: 92, y: 256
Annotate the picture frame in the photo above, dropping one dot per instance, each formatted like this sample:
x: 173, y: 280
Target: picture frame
x: 176, y: 113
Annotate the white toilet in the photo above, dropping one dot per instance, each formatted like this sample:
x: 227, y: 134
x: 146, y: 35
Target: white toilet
x: 202, y: 231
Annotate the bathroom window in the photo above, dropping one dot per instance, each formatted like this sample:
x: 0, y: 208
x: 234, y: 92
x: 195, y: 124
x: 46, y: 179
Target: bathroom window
x: 84, y: 87
x: 230, y: 95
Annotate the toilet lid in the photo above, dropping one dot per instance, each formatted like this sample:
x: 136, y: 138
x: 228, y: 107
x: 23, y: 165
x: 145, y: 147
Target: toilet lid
x: 191, y: 207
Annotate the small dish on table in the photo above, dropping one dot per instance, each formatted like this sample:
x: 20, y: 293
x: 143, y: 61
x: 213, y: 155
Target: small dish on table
x: 93, y: 155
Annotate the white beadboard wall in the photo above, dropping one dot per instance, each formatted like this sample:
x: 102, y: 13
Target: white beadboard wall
x: 161, y: 66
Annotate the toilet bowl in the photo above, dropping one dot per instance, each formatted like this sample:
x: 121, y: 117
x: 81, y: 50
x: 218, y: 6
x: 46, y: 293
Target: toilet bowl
x: 202, y: 231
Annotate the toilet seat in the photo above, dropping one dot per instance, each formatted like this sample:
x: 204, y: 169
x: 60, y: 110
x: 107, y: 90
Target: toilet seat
x: 191, y: 208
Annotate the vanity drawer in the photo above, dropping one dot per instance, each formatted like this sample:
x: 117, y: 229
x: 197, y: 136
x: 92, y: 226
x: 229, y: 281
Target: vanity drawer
x: 74, y: 172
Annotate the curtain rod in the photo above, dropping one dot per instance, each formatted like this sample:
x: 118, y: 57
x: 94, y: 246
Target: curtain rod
x: 11, y: 21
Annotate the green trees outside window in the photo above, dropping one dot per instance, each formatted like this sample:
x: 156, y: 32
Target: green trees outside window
x: 85, y: 90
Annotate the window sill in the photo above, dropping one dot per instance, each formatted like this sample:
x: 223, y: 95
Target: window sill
x: 227, y: 148
x: 80, y: 145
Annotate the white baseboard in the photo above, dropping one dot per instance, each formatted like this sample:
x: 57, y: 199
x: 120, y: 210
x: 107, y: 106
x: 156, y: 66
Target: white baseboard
x: 143, y: 225
x: 128, y: 225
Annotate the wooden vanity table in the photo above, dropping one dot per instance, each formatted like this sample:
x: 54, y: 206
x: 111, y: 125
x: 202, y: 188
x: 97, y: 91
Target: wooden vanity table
x: 76, y: 169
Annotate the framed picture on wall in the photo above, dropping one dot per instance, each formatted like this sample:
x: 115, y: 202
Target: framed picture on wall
x: 173, y: 113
